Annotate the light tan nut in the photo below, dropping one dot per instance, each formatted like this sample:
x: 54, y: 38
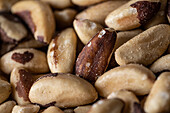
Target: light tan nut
x: 107, y: 106
x: 38, y: 16
x: 62, y: 52
x: 7, y: 107
x: 133, y: 14
x: 5, y: 5
x: 137, y: 108
x: 31, y: 59
x: 133, y: 77
x: 59, y: 4
x: 5, y: 90
x: 128, y: 97
x: 62, y: 90
x: 95, y: 56
x: 86, y: 29
x: 145, y: 47
x: 158, y: 100
x: 98, y: 13
x: 86, y: 2
x: 161, y: 64
x: 168, y: 15
x: 53, y: 109
x: 26, y: 109
x: 64, y: 18
x: 82, y: 109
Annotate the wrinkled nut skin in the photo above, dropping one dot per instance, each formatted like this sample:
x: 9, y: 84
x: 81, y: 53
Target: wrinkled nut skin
x: 158, y: 100
x: 95, y: 56
x: 5, y: 5
x: 107, y: 106
x: 133, y: 77
x: 86, y: 29
x: 30, y: 108
x: 82, y: 109
x: 7, y: 107
x: 86, y: 2
x: 31, y: 59
x: 62, y: 90
x: 132, y: 15
x: 146, y: 47
x: 53, y: 109
x: 98, y: 12
x: 38, y: 16
x: 62, y: 52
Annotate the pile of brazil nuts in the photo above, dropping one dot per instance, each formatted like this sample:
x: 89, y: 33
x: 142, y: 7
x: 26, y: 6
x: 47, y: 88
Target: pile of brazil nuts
x: 84, y: 56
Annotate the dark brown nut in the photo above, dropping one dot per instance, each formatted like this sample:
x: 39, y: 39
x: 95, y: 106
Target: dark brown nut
x: 26, y: 109
x: 86, y: 2
x: 7, y: 107
x: 133, y: 77
x: 82, y: 109
x: 98, y: 13
x: 86, y: 29
x: 127, y: 96
x: 5, y: 5
x: 132, y: 15
x: 137, y: 108
x: 62, y: 52
x: 31, y: 59
x: 38, y: 16
x: 95, y: 56
x: 62, y: 90
x: 53, y: 109
x: 64, y: 18
x: 107, y: 106
x: 158, y: 100
x: 145, y: 47
x: 168, y: 15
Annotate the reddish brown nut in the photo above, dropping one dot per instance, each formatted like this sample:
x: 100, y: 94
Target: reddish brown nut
x: 7, y: 107
x: 95, y: 56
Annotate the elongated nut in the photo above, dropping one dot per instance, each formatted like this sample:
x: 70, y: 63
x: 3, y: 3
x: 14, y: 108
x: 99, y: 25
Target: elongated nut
x: 31, y: 59
x: 133, y: 77
x: 95, y: 56
x: 145, y: 47
x: 7, y: 107
x: 158, y: 100
x: 82, y: 109
x: 86, y: 29
x: 132, y: 15
x: 38, y: 16
x: 86, y: 2
x: 128, y: 97
x: 62, y: 90
x: 53, y: 109
x: 62, y: 52
x: 26, y: 109
x: 107, y: 106
x: 98, y: 13
x: 5, y: 5
x: 168, y: 15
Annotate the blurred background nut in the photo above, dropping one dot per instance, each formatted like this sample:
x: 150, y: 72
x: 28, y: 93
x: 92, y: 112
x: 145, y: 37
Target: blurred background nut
x: 38, y: 16
x: 168, y: 15
x: 26, y: 109
x: 82, y: 109
x: 31, y: 59
x: 133, y: 77
x: 62, y: 90
x: 86, y: 2
x: 158, y: 100
x: 137, y: 108
x: 68, y: 111
x: 7, y: 107
x: 98, y: 12
x: 5, y: 5
x: 53, y: 109
x: 62, y: 52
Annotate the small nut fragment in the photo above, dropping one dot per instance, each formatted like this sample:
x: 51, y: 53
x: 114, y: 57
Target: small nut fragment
x: 158, y: 100
x: 26, y: 109
x: 62, y: 52
x: 86, y: 29
x: 133, y: 77
x: 86, y: 2
x: 145, y: 47
x: 5, y: 5
x: 95, y: 56
x: 7, y: 107
x: 82, y: 109
x: 53, y: 109
x: 107, y: 106
x: 62, y: 90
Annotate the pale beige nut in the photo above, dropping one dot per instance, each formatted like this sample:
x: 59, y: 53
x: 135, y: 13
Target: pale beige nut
x: 133, y: 77
x: 133, y: 14
x: 82, y: 109
x: 53, y: 109
x: 31, y: 59
x: 64, y: 18
x: 5, y: 90
x: 7, y: 107
x: 86, y: 29
x: 38, y: 16
x: 62, y: 52
x: 62, y: 90
x: 107, y: 106
x: 93, y: 60
x: 128, y: 97
x: 168, y: 15
x: 158, y: 100
x: 98, y: 13
x: 86, y: 2
x: 5, y: 5
x: 26, y: 109
x: 146, y: 47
